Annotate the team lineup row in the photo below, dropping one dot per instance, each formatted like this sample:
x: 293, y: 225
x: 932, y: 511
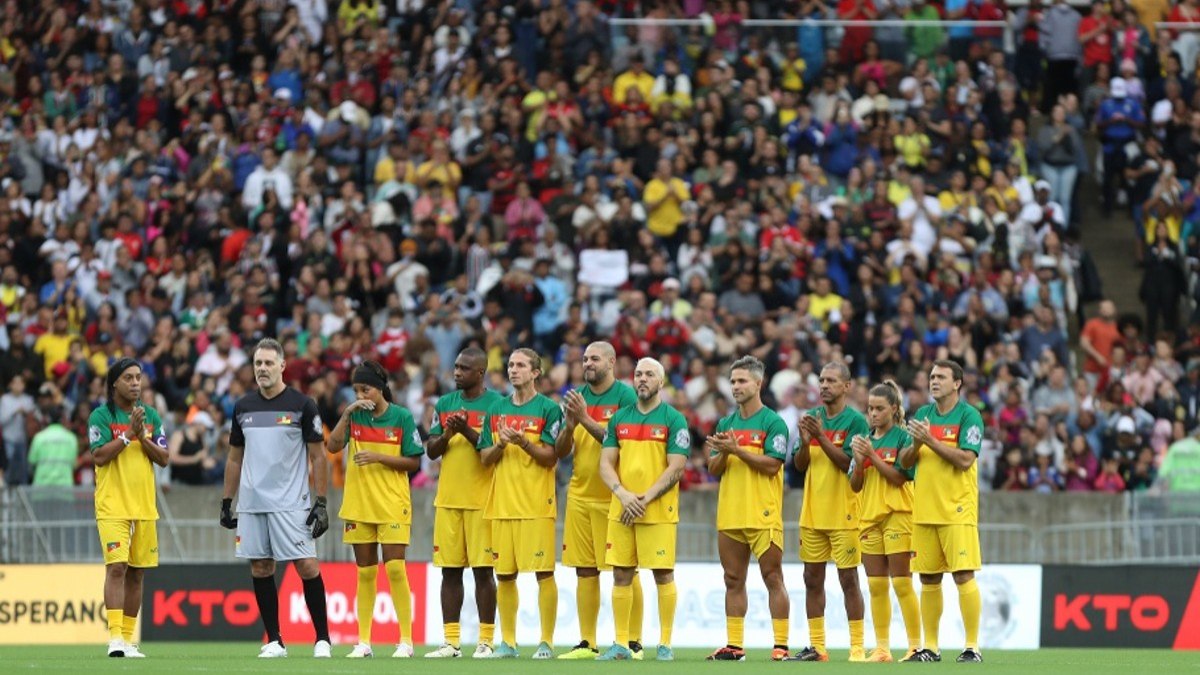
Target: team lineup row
x: 880, y: 491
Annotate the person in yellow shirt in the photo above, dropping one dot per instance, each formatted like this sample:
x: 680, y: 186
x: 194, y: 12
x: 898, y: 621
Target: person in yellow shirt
x: 534, y: 104
x: 885, y: 517
x: 912, y: 144
x: 646, y: 448
x: 587, y: 414
x: 957, y: 199
x: 55, y: 346
x: 461, y: 538
x: 746, y: 453
x: 636, y: 77
x: 395, y: 166
x: 823, y: 301
x: 829, y: 515
x: 384, y: 446
x: 126, y: 440
x: 663, y: 198
x: 518, y: 440
x: 793, y: 68
x: 440, y: 169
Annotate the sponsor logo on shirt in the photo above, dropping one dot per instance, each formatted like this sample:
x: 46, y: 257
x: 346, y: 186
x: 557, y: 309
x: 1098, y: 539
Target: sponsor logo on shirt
x: 389, y: 435
x: 658, y: 433
x: 283, y: 419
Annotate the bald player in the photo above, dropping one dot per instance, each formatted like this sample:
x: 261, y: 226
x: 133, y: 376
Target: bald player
x: 587, y: 411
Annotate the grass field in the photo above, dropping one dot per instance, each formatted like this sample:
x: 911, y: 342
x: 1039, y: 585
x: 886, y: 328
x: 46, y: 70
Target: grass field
x: 182, y: 657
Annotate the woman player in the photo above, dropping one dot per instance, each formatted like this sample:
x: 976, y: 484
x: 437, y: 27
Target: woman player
x: 886, y: 517
x: 376, y: 507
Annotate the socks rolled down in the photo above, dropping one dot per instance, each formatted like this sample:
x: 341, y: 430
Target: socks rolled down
x: 128, y: 626
x: 881, y: 610
x: 365, y: 595
x: 587, y: 599
x: 735, y: 631
x: 548, y: 607
x: 816, y: 633
x: 267, y: 596
x: 487, y: 633
x: 453, y: 634
x: 779, y: 632
x: 116, y: 622
x: 397, y: 573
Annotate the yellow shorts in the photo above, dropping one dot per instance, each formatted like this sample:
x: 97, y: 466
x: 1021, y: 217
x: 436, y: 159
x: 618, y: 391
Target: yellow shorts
x: 891, y: 535
x: 840, y: 546
x: 461, y: 538
x: 375, y: 533
x: 523, y: 545
x: 648, y: 546
x: 946, y: 548
x: 758, y: 540
x: 134, y: 542
x: 585, y: 534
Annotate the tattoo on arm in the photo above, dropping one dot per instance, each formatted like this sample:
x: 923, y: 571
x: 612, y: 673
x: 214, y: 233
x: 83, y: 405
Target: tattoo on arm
x: 672, y: 482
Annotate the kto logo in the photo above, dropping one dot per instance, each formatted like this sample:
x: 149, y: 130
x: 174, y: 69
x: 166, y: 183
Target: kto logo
x: 1145, y: 612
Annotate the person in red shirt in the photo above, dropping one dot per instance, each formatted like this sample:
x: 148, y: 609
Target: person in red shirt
x: 1095, y: 35
x: 391, y: 342
x: 1097, y: 339
x: 856, y: 37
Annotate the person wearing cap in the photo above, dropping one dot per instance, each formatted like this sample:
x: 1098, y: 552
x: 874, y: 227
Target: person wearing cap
x: 669, y: 302
x: 1118, y: 119
x: 126, y: 441
x: 1036, y: 219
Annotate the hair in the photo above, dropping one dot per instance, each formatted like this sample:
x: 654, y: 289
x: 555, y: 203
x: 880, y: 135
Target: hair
x: 751, y: 365
x: 890, y: 392
x: 475, y: 354
x: 535, y: 359
x: 114, y: 374
x: 956, y: 371
x: 605, y: 348
x: 841, y: 367
x: 374, y: 368
x: 271, y: 344
x: 654, y: 365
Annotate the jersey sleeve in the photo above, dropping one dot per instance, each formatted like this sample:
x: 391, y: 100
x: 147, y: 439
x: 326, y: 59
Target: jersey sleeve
x: 99, y: 432
x: 310, y: 422
x: 237, y: 438
x: 554, y: 418
x: 435, y: 426
x: 679, y: 439
x: 157, y: 433
x: 903, y: 443
x: 485, y: 434
x: 776, y: 443
x: 410, y: 443
x: 971, y: 434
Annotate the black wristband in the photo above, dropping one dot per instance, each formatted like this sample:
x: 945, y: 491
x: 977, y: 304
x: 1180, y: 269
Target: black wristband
x: 226, y: 503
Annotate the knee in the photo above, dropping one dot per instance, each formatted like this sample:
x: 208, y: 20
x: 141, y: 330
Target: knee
x: 266, y: 568
x: 117, y: 570
x: 586, y: 572
x: 453, y: 576
x: 734, y: 582
x: 542, y: 576
x: 848, y: 578
x: 772, y: 578
x: 134, y: 574
x: 483, y: 576
x: 308, y: 569
x: 813, y: 580
x: 931, y: 580
x: 661, y: 577
x: 503, y: 578
x: 961, y: 578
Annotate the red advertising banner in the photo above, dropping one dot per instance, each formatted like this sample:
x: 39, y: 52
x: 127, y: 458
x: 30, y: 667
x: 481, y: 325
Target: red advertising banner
x: 341, y: 584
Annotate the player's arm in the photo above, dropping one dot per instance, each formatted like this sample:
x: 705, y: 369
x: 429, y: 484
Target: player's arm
x: 490, y: 451
x: 858, y: 464
x: 803, y: 455
x: 565, y: 442
x: 314, y: 436
x: 890, y: 473
x: 153, y: 444
x: 233, y: 471
x: 908, y: 457
x: 409, y: 458
x: 669, y: 478
x: 835, y: 454
x: 718, y: 460
x: 340, y: 434
x: 960, y: 458
x: 542, y: 450
x: 104, y: 446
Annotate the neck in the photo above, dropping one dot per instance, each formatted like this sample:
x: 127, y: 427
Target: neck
x: 946, y: 404
x: 750, y: 407
x: 123, y: 404
x: 524, y: 394
x: 271, y: 392
x: 473, y: 392
x: 882, y: 429
x: 645, y: 406
x: 834, y: 409
x: 603, y: 385
x: 381, y: 408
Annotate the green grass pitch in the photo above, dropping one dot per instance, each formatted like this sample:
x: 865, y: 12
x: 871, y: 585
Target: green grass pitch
x: 198, y: 657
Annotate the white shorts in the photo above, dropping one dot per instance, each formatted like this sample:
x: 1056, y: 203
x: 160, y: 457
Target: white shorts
x: 275, y: 536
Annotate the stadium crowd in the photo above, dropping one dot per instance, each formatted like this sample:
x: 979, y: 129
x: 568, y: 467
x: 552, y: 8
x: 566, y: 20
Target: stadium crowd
x: 401, y: 180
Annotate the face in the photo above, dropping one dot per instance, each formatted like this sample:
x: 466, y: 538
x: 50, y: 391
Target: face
x: 833, y: 387
x: 745, y: 386
x: 467, y: 372
x: 941, y: 383
x: 268, y: 368
x: 520, y: 370
x: 365, y: 392
x: 880, y: 413
x: 646, y: 381
x: 596, y: 364
x: 129, y: 385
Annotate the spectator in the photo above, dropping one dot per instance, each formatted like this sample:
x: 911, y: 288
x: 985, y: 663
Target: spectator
x: 53, y: 453
x: 16, y: 418
x: 1082, y: 468
x: 191, y: 461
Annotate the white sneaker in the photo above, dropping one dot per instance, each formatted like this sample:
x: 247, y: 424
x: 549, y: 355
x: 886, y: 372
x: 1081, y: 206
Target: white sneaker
x: 322, y: 649
x: 132, y: 652
x: 446, y: 651
x: 272, y: 650
x: 116, y: 648
x: 403, y: 651
x: 482, y: 651
x: 361, y: 650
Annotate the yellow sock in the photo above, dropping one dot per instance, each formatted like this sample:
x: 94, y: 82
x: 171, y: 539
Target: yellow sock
x: 487, y: 633
x: 856, y: 633
x: 116, y: 621
x: 397, y: 574
x: 453, y: 634
x: 816, y: 633
x: 909, y: 609
x: 587, y: 599
x: 780, y: 629
x: 735, y: 631
x: 506, y: 602
x: 971, y: 603
x: 667, y: 597
x: 367, y: 576
x: 881, y: 609
x: 129, y: 624
x: 931, y: 614
x: 636, y: 609
x: 548, y: 607
x: 622, y: 600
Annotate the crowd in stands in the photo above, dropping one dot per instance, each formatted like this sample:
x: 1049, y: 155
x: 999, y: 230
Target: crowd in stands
x: 399, y: 180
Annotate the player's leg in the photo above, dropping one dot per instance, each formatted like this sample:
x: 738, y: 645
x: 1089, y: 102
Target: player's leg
x: 579, y: 551
x: 735, y: 560
x: 536, y: 548
x: 396, y: 569
x: 361, y: 537
x: 655, y: 545
x: 770, y: 566
x: 449, y: 554
x: 668, y: 596
x: 815, y: 552
x: 480, y: 560
x: 143, y: 554
x: 930, y: 564
x: 507, y: 599
x: 622, y: 597
x: 847, y: 556
x: 965, y: 540
x: 875, y: 563
x: 253, y: 543
x: 898, y: 548
x: 115, y: 536
x: 291, y: 539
